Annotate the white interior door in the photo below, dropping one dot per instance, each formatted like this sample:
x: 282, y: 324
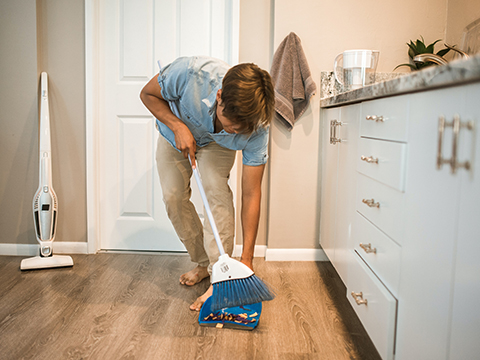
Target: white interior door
x: 134, y: 35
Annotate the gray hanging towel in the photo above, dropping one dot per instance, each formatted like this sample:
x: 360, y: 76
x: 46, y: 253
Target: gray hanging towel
x: 294, y: 85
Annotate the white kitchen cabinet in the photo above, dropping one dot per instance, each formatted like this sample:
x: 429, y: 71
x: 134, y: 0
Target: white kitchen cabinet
x: 440, y: 275
x: 385, y: 119
x: 465, y: 322
x: 340, y: 136
x: 382, y: 160
x: 374, y: 305
x: 379, y: 251
x: 329, y: 183
x: 382, y: 205
x: 428, y: 247
x: 415, y: 236
x: 376, y: 243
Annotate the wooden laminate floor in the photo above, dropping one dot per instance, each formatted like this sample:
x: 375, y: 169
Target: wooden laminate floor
x: 131, y: 306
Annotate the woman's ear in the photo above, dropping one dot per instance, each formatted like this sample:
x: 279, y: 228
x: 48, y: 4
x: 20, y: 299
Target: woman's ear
x: 219, y: 96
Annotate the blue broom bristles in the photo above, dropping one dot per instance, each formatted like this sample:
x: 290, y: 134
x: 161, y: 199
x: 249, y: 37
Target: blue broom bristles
x: 239, y: 292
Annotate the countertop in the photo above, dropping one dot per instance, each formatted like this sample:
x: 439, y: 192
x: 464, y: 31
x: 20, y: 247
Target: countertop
x: 455, y: 73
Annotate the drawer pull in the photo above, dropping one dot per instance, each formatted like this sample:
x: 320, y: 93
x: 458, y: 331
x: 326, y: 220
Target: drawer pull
x: 368, y: 248
x: 359, y: 298
x: 369, y: 159
x: 374, y: 118
x: 371, y: 203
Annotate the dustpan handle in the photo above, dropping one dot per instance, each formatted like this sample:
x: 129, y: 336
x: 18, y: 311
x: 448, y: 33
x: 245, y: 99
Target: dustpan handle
x: 207, y: 209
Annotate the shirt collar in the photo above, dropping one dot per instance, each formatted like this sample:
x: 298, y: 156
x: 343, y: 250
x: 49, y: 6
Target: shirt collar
x: 210, y: 100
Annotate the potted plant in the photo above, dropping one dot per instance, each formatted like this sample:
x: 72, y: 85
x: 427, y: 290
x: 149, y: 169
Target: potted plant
x: 419, y: 47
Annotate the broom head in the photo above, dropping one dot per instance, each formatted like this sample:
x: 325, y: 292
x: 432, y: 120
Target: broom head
x: 235, y: 284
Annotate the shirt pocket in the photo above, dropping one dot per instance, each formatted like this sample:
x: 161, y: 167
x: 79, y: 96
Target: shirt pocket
x: 188, y: 117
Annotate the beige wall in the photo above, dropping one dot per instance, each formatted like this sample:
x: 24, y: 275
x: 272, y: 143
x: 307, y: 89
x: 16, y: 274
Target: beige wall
x: 61, y: 42
x: 325, y: 27
x: 18, y: 104
x: 256, y: 44
x: 460, y: 14
x: 45, y: 35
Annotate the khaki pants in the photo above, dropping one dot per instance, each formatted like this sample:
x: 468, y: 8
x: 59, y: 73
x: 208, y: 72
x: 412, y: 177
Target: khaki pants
x: 214, y: 164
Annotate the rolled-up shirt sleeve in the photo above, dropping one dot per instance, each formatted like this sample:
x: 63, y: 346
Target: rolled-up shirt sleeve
x: 173, y: 78
x: 255, y: 152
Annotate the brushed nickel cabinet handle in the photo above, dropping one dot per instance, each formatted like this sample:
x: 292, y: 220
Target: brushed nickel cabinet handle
x: 359, y: 298
x: 441, y: 131
x: 369, y: 159
x: 371, y: 203
x: 456, y: 131
x: 368, y: 248
x: 333, y: 132
x: 336, y: 139
x: 456, y: 125
x: 375, y: 118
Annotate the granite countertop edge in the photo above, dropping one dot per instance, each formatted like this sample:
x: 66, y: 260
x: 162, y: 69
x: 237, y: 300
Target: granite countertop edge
x: 455, y: 73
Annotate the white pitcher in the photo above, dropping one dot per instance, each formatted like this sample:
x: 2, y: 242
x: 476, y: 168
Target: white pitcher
x: 356, y: 68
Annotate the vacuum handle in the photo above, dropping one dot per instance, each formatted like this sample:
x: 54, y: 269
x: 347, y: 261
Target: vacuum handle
x: 44, y: 82
x: 207, y: 209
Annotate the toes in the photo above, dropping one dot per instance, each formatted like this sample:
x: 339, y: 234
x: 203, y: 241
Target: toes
x: 190, y: 281
x: 197, y: 305
x: 194, y: 277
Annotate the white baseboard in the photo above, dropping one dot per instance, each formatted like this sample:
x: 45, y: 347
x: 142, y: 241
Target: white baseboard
x: 258, y: 252
x: 284, y: 254
x: 67, y: 247
x: 60, y: 247
x: 295, y: 255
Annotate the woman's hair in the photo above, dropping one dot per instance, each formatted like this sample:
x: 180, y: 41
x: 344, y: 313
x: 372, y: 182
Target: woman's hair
x: 248, y: 97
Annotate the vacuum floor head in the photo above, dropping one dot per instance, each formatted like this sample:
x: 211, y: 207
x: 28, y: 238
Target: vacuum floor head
x: 40, y: 262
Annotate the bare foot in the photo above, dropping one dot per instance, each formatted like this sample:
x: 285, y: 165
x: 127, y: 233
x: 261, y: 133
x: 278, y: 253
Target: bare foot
x: 197, y: 305
x: 194, y: 276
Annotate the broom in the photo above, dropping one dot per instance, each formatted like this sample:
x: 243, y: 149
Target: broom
x: 234, y: 283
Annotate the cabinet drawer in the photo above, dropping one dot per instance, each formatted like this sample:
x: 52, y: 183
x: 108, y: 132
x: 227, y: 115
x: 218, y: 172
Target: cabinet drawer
x: 382, y: 205
x: 379, y: 312
x: 380, y: 252
x: 393, y: 112
x: 383, y: 161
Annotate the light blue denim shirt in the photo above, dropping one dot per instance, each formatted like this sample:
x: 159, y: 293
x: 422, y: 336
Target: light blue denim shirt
x: 190, y: 84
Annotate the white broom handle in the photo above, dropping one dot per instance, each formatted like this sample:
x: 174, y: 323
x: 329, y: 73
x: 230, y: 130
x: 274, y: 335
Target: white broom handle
x: 207, y: 209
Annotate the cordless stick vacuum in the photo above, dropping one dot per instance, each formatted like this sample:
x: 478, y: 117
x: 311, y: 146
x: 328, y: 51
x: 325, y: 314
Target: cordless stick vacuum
x: 45, y: 206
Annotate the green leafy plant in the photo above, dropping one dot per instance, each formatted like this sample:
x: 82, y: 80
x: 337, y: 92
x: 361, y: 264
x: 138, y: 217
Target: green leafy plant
x: 419, y: 47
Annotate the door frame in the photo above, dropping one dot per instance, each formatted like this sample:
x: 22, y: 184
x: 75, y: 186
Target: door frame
x: 94, y: 106
x: 92, y: 110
